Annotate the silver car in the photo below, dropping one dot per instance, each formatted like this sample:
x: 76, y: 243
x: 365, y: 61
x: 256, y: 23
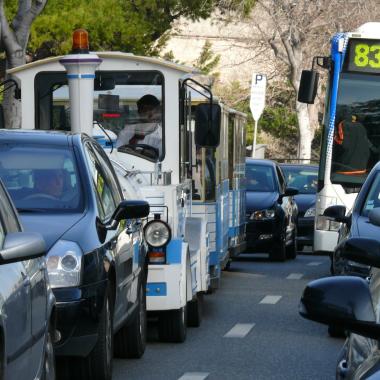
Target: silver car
x: 27, y: 327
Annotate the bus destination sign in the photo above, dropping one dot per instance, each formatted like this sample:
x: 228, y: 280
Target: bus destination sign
x: 363, y: 56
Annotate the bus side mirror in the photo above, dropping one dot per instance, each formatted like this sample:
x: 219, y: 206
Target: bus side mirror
x: 207, y: 132
x: 308, y: 86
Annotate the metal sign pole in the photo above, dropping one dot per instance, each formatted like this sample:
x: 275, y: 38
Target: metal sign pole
x: 254, y: 140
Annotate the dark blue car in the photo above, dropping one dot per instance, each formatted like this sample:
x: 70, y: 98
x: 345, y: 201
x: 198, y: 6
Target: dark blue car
x: 305, y: 179
x: 270, y: 210
x: 355, y: 223
x: 65, y: 188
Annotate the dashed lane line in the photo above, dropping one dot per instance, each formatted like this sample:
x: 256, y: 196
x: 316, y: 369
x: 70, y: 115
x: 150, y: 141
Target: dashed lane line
x: 240, y: 330
x: 270, y: 300
x: 294, y: 276
x: 194, y: 376
x: 314, y: 263
x: 243, y: 274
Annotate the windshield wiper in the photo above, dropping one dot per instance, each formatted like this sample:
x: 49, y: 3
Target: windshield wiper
x: 32, y: 210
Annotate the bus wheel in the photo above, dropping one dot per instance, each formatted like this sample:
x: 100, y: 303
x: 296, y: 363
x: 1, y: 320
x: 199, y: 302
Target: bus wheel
x: 172, y: 325
x: 194, y: 311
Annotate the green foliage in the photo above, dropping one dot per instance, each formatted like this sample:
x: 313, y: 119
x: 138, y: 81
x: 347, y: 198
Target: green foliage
x: 207, y: 60
x: 137, y: 26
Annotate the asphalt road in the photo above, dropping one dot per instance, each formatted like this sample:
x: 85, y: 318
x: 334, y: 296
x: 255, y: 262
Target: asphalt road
x: 251, y: 330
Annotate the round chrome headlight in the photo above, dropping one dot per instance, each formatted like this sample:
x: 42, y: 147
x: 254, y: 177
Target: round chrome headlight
x: 157, y: 233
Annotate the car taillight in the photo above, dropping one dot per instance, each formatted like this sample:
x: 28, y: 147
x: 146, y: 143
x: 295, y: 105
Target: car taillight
x: 157, y: 257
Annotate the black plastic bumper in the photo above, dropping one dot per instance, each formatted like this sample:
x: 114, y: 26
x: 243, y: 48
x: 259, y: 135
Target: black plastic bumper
x: 78, y: 313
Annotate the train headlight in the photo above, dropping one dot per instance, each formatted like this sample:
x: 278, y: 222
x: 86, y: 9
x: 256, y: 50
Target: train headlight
x: 157, y: 233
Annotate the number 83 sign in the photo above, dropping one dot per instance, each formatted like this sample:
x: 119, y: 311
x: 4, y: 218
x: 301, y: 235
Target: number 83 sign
x: 364, y: 56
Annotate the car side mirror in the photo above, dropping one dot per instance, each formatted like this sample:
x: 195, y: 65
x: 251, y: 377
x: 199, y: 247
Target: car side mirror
x: 374, y: 217
x: 290, y: 192
x: 207, y: 125
x: 361, y: 250
x: 134, y: 209
x: 336, y: 214
x: 20, y: 246
x: 343, y: 301
x: 308, y: 87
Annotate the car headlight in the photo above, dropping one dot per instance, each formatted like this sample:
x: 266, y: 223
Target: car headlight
x: 263, y: 214
x: 64, y: 263
x: 310, y: 212
x: 157, y: 233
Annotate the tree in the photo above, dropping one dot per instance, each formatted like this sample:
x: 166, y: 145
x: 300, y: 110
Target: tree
x: 14, y: 38
x: 294, y: 32
x: 137, y: 26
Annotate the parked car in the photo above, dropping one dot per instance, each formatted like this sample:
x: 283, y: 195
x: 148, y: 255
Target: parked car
x: 65, y: 187
x: 271, y: 211
x: 27, y: 304
x: 304, y: 178
x: 355, y: 224
x: 351, y: 303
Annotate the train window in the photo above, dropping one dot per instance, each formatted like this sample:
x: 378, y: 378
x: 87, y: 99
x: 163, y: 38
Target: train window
x: 129, y: 104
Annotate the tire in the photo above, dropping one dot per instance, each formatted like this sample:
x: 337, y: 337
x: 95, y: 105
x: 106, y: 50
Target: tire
x: 49, y: 372
x: 98, y: 365
x: 291, y: 250
x: 130, y: 341
x: 194, y: 311
x: 172, y: 325
x: 278, y: 252
x: 336, y: 332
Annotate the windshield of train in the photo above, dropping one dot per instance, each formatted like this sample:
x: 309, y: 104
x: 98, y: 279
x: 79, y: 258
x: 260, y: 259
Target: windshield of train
x: 127, y: 104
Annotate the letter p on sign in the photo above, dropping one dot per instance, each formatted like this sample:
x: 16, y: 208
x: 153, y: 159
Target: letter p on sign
x: 258, y: 88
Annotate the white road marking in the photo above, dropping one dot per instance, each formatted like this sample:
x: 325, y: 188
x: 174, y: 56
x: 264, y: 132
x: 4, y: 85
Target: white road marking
x: 244, y: 274
x: 314, y: 263
x: 194, y: 376
x: 270, y: 300
x: 240, y: 330
x: 294, y: 276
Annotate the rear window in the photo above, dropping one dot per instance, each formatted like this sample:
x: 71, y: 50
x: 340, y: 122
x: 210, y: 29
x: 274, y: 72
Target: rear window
x: 41, y: 178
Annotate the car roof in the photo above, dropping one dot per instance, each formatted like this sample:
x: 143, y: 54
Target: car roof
x: 261, y: 162
x: 54, y: 138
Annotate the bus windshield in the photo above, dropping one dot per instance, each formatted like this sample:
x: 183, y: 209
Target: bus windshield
x: 127, y: 103
x: 356, y: 141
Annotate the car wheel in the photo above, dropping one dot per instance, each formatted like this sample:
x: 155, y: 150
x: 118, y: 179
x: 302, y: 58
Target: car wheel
x: 49, y: 360
x: 278, y: 251
x: 98, y: 365
x: 291, y: 250
x: 194, y: 311
x: 172, y: 325
x: 130, y: 341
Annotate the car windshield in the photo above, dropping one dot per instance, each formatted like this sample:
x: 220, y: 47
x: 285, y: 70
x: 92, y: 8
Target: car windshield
x: 373, y: 197
x: 259, y: 178
x: 40, y: 178
x: 304, y: 179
